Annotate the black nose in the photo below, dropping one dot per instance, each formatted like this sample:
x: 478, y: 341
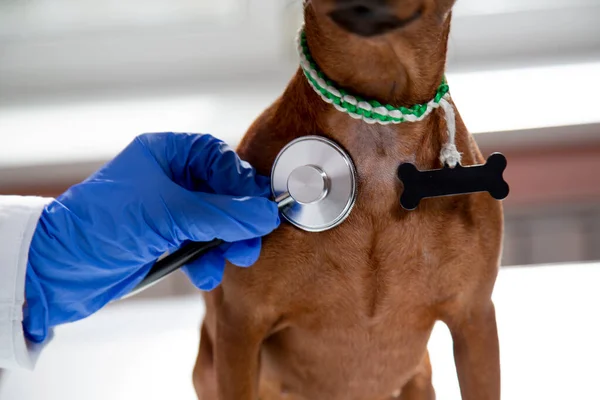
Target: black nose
x: 367, y: 17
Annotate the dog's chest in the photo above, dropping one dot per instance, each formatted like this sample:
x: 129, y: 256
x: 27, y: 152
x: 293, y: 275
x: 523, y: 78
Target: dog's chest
x: 363, y: 302
x: 382, y: 258
x: 361, y: 317
x: 377, y: 151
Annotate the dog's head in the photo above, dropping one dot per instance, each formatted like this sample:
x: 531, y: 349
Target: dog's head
x: 370, y: 18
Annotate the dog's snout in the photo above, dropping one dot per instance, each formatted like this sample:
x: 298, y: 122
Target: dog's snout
x: 367, y: 17
x: 363, y: 7
x: 363, y: 17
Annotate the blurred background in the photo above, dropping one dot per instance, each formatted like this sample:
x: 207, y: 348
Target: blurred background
x: 80, y: 78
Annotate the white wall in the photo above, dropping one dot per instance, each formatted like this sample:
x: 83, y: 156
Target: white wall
x: 59, y: 48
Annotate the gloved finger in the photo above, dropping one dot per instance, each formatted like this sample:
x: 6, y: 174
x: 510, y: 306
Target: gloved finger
x: 195, y: 161
x: 202, y: 217
x: 243, y: 253
x: 206, y: 273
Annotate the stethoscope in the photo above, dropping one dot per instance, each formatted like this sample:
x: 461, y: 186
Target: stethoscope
x: 313, y: 182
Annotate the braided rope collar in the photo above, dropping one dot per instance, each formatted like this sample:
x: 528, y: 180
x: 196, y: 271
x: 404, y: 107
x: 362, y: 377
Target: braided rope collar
x: 373, y: 112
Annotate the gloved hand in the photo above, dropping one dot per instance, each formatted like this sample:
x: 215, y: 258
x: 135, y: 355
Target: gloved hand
x: 99, y: 239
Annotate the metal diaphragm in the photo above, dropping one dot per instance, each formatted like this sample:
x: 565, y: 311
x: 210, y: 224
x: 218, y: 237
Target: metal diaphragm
x: 321, y: 179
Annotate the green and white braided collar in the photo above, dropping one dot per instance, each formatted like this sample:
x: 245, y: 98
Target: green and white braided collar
x: 373, y: 112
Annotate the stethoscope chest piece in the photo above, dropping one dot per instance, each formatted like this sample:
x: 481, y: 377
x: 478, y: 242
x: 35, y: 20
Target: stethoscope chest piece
x: 320, y: 178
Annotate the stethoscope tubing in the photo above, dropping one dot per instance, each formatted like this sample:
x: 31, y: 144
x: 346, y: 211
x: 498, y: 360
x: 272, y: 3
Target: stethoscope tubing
x: 173, y: 262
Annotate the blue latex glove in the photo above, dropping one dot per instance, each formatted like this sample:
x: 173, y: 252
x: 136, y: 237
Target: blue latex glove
x: 99, y: 239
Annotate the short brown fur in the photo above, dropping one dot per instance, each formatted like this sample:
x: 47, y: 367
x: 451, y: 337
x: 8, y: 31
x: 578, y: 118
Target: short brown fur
x: 346, y: 314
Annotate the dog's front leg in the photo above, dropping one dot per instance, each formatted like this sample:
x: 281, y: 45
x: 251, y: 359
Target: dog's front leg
x: 476, y: 351
x: 237, y: 352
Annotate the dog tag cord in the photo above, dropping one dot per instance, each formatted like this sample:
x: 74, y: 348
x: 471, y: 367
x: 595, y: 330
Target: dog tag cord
x: 453, y: 181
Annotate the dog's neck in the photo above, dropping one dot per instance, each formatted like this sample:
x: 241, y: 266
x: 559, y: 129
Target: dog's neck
x: 401, y: 71
x: 386, y: 88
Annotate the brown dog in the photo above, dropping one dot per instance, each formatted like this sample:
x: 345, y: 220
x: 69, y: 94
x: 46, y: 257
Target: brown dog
x: 346, y: 314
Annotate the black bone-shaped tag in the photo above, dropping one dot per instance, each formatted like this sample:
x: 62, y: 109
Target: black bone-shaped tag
x: 453, y: 181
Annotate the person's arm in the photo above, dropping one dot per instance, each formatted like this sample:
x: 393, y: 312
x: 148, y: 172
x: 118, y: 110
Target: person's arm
x: 68, y: 257
x: 18, y: 220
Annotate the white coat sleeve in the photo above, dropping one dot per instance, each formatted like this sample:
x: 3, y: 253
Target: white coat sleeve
x: 18, y: 219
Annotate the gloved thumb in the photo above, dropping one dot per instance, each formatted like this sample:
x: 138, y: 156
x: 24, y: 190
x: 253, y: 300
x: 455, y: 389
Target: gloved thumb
x: 206, y: 273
